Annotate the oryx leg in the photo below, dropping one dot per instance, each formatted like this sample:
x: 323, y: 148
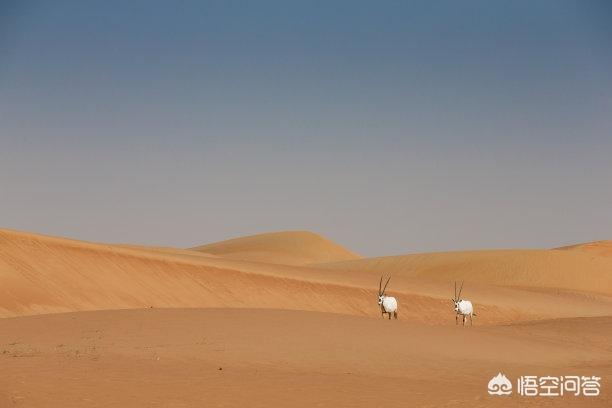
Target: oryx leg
x: 395, y: 314
x: 471, y: 321
x: 456, y: 321
x: 464, y: 317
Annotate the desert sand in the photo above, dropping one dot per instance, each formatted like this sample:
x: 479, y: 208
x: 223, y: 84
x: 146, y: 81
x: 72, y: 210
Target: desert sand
x: 291, y: 319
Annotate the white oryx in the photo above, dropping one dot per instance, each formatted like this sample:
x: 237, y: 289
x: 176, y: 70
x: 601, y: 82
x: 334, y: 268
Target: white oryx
x: 388, y: 304
x: 463, y: 308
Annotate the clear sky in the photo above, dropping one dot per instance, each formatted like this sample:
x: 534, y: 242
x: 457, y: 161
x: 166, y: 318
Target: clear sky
x: 390, y: 127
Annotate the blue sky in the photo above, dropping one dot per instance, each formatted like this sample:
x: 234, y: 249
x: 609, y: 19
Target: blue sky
x: 390, y: 127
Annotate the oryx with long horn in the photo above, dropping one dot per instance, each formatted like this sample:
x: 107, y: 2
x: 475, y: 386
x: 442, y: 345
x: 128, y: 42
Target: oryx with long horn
x: 463, y: 307
x: 388, y: 304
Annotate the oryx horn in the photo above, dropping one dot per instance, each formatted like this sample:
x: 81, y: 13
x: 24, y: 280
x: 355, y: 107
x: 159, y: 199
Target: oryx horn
x: 383, y: 291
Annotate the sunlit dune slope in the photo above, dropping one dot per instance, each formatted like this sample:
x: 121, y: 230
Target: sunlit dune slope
x: 601, y: 248
x: 287, y: 247
x: 573, y: 270
x: 41, y: 274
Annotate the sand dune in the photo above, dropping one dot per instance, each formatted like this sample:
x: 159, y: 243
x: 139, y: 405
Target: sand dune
x: 601, y: 248
x: 563, y: 269
x: 40, y: 274
x: 287, y: 247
